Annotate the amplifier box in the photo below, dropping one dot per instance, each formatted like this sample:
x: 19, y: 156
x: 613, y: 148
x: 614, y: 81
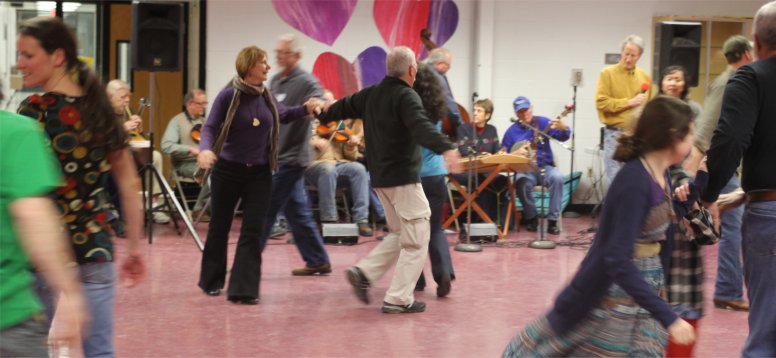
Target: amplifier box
x: 340, y: 234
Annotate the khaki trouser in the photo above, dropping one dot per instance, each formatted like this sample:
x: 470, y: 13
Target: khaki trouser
x: 407, y: 214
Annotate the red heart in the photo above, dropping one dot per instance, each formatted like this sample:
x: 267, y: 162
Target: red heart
x: 344, y: 78
x: 336, y: 74
x: 400, y: 22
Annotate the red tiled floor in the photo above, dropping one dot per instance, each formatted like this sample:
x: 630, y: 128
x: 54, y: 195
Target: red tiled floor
x: 497, y: 291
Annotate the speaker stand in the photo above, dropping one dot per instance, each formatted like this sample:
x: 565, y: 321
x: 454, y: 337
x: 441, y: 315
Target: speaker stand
x: 149, y: 173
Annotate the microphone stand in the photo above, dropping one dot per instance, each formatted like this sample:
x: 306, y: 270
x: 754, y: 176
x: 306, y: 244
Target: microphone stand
x: 570, y: 213
x: 542, y: 242
x: 468, y: 246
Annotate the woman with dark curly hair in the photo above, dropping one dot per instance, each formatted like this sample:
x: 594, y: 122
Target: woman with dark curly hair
x: 432, y: 177
x: 88, y: 141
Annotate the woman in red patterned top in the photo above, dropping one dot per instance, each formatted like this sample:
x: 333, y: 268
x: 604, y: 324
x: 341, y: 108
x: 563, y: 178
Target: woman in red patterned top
x: 88, y: 142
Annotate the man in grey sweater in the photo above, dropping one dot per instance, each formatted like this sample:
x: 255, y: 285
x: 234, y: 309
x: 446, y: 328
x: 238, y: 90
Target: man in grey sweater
x: 181, y: 139
x: 294, y: 86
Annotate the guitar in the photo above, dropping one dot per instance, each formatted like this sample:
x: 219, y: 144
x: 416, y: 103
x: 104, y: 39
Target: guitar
x: 447, y: 125
x: 532, y: 148
x: 136, y: 135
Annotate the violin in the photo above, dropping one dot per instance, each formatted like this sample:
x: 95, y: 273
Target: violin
x: 336, y: 131
x: 196, y: 132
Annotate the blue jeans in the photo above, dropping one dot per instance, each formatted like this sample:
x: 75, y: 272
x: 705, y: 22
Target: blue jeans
x: 326, y: 176
x: 610, y: 144
x: 288, y: 194
x: 526, y: 182
x: 375, y: 204
x: 730, y: 272
x: 99, y: 287
x: 759, y: 247
x: 435, y: 189
x: 98, y: 280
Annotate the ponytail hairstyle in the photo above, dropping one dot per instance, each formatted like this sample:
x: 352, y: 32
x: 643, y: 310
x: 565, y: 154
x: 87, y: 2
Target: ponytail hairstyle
x: 95, y: 111
x: 664, y: 121
x: 431, y: 93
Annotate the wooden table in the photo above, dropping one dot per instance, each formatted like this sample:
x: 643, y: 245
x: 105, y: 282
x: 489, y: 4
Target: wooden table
x: 493, y: 165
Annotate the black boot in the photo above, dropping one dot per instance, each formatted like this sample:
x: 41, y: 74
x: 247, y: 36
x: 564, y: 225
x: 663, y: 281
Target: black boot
x: 532, y: 224
x: 552, y: 227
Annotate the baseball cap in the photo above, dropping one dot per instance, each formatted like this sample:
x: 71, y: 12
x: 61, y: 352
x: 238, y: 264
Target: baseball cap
x: 521, y: 103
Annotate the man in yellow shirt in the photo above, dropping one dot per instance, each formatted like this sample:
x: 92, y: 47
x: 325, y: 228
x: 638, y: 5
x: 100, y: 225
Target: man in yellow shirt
x: 621, y: 91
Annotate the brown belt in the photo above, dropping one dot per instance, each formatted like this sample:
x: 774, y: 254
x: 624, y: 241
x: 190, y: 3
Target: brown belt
x: 761, y: 195
x: 613, y: 128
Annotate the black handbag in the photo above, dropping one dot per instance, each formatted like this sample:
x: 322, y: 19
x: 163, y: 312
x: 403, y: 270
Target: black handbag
x: 702, y: 226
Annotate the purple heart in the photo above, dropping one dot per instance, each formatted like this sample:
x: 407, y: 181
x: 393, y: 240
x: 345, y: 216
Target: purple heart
x: 322, y: 20
x: 370, y: 66
x: 442, y: 22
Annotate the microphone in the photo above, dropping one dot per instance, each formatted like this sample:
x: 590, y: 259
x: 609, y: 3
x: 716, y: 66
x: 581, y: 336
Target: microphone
x: 644, y: 87
x: 514, y: 120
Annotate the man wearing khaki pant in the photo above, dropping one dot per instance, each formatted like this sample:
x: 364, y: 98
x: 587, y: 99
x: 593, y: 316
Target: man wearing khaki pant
x: 395, y: 126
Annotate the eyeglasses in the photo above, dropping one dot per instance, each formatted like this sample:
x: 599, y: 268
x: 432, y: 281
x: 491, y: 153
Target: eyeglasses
x: 203, y: 104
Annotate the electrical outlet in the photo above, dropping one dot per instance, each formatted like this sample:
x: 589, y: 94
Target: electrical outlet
x: 589, y: 172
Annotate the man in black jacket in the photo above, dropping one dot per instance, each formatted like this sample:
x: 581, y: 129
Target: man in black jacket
x: 395, y: 126
x: 747, y: 129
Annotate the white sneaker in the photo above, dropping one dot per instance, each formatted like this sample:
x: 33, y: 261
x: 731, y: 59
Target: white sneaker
x: 161, y: 218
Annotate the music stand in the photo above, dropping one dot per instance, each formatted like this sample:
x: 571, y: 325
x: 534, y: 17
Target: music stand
x: 149, y: 173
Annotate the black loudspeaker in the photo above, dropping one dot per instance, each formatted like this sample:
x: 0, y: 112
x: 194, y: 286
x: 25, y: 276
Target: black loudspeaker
x: 157, y: 36
x: 677, y: 43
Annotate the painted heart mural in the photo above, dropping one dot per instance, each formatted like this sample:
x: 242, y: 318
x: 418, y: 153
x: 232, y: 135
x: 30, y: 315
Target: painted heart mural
x: 344, y: 78
x: 322, y: 20
x: 400, y: 22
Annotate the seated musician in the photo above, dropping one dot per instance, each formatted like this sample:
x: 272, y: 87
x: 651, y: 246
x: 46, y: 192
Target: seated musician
x: 486, y: 143
x: 181, y: 140
x: 336, y: 164
x: 520, y: 139
x: 120, y: 96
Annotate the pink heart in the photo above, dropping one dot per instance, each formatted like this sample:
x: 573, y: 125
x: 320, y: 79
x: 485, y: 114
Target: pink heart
x: 344, y: 78
x: 400, y: 22
x: 322, y: 20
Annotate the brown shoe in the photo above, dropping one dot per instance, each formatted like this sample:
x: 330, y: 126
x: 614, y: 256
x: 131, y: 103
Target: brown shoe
x: 309, y: 271
x: 734, y: 305
x: 364, y: 229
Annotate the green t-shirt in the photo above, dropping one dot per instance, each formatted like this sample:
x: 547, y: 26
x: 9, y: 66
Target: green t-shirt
x: 27, y: 169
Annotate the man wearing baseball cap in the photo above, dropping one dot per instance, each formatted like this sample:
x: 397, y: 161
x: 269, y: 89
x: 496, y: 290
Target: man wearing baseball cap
x: 728, y: 290
x: 518, y: 139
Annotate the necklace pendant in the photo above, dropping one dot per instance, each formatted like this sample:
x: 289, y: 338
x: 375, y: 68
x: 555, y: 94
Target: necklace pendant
x: 256, y: 122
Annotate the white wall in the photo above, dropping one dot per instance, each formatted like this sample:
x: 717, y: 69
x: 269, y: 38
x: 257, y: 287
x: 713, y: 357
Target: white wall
x: 537, y: 43
x: 502, y: 49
